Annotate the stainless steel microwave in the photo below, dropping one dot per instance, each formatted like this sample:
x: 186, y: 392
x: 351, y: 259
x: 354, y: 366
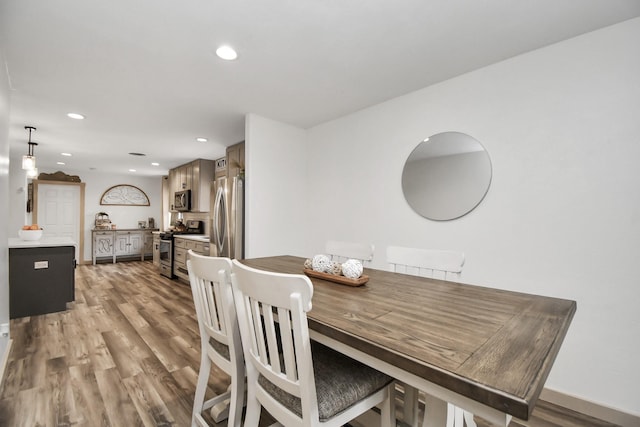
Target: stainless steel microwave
x: 182, y: 201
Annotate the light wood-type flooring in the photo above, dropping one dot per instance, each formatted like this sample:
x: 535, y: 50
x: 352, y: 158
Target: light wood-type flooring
x: 126, y: 353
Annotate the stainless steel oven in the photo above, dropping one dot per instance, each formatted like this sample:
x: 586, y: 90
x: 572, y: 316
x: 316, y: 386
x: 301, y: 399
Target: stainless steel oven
x: 166, y: 257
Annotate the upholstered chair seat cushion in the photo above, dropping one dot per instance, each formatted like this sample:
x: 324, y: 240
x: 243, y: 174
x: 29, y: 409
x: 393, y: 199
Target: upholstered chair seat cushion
x: 340, y: 382
x: 222, y: 349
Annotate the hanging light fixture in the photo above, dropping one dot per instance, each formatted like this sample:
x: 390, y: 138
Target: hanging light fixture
x: 32, y: 173
x: 29, y: 161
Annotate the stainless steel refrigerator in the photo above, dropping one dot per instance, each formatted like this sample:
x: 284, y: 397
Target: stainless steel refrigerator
x: 227, y: 217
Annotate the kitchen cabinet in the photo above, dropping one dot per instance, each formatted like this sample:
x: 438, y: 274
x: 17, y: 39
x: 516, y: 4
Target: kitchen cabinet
x: 180, y: 258
x: 185, y: 177
x: 156, y: 249
x: 180, y: 178
x: 182, y: 245
x: 122, y: 243
x: 202, y: 175
x: 147, y: 245
x: 197, y: 177
x: 235, y: 160
x: 103, y: 245
x: 41, y: 277
x: 128, y: 243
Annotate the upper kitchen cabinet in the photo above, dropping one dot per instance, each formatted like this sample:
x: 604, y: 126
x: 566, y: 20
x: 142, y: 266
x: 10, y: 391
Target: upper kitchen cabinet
x: 202, y: 176
x: 235, y: 160
x: 195, y: 176
x: 182, y: 177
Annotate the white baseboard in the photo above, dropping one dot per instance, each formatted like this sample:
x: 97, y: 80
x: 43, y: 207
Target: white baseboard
x: 4, y: 358
x: 592, y: 409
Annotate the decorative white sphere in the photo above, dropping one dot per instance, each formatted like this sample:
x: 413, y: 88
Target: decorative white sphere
x: 321, y: 263
x: 352, y: 268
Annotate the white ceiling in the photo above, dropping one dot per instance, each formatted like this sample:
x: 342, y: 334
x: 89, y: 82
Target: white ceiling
x: 146, y: 76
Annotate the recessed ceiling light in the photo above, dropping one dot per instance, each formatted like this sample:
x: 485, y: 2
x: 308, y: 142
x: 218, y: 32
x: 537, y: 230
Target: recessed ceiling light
x: 132, y: 170
x: 66, y: 154
x: 75, y: 116
x: 60, y: 163
x: 200, y: 139
x: 155, y: 164
x: 226, y: 53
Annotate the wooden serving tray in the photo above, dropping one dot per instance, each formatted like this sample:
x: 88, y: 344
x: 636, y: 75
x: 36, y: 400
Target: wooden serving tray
x: 337, y: 279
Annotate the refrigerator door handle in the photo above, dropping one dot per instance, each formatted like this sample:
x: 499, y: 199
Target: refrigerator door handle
x: 219, y: 218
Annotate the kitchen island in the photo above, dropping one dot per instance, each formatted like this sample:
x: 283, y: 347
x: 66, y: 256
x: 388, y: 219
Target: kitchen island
x: 41, y: 275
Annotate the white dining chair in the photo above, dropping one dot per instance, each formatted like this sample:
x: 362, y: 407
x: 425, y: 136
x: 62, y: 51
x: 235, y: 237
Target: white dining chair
x: 341, y: 251
x: 299, y: 382
x: 437, y: 264
x: 210, y: 279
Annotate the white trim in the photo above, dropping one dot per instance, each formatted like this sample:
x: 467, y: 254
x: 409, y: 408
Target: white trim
x: 4, y: 360
x: 593, y: 409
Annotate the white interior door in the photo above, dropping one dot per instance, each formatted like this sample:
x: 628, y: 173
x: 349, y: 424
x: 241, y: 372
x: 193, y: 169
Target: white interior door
x: 59, y: 211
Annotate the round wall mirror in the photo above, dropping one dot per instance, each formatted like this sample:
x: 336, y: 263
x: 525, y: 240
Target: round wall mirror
x: 446, y: 176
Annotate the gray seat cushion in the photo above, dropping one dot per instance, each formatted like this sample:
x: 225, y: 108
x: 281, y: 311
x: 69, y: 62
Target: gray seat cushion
x: 340, y: 382
x: 222, y: 349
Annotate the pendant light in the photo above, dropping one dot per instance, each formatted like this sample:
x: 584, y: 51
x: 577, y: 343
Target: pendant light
x: 29, y: 161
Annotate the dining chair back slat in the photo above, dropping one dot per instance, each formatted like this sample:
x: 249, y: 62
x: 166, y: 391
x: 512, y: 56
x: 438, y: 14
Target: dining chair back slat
x: 341, y: 251
x: 437, y: 264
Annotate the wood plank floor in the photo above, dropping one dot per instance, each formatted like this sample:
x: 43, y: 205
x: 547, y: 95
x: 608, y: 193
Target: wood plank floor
x: 126, y: 353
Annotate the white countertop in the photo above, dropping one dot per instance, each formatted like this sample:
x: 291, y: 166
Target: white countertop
x: 44, y: 242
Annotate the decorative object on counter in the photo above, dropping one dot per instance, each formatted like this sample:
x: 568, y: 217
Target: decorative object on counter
x: 102, y: 221
x: 59, y: 176
x: 142, y: 224
x: 352, y: 268
x: 348, y: 273
x: 337, y: 279
x: 30, y: 232
x: 321, y: 263
x: 151, y: 223
x: 335, y: 269
x: 180, y: 226
x: 124, y: 195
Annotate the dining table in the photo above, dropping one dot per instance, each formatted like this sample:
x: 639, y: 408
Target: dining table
x: 488, y: 351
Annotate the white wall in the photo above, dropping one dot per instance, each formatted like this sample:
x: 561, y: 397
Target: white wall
x: 95, y: 185
x: 4, y: 198
x: 562, y: 216
x: 275, y: 211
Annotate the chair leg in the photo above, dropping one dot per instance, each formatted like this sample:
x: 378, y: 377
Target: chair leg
x: 468, y: 418
x: 237, y: 400
x: 410, y: 405
x: 201, y: 387
x: 388, y: 408
x: 435, y: 412
x: 252, y: 416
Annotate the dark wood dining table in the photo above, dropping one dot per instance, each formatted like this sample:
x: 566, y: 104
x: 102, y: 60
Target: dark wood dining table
x: 488, y: 351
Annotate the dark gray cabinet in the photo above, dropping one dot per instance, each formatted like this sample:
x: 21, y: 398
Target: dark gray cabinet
x: 41, y: 280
